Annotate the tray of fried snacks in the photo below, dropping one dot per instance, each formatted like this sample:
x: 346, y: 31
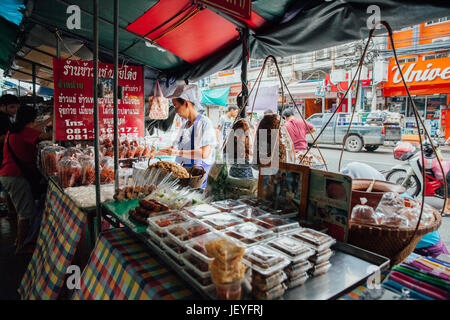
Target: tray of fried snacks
x: 137, y: 192
x: 147, y: 209
x: 323, y: 256
x: 201, y: 210
x: 248, y: 233
x: 161, y: 223
x: 294, y: 249
x: 222, y: 221
x: 317, y: 240
x: 296, y: 281
x: 272, y: 294
x: 320, y: 269
x: 183, y: 232
x: 197, y: 245
x: 264, y: 283
x: 228, y: 205
x: 264, y: 260
x: 277, y: 224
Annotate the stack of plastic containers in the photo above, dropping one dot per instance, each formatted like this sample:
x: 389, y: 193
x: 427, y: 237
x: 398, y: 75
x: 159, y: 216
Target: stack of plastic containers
x: 298, y: 254
x: 277, y: 224
x: 267, y: 272
x: 248, y: 234
x: 321, y: 244
x: 158, y: 226
x: 201, y: 210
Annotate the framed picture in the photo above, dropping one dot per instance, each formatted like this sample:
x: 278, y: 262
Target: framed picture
x: 286, y: 188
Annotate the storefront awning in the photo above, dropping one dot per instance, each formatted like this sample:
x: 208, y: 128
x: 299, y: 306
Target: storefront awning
x: 216, y: 96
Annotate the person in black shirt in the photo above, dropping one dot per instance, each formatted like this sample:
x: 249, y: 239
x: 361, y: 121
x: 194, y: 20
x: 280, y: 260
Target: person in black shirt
x: 8, y: 108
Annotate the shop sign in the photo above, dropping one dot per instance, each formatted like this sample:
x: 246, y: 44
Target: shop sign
x: 240, y: 8
x: 74, y: 105
x: 226, y: 73
x: 435, y: 71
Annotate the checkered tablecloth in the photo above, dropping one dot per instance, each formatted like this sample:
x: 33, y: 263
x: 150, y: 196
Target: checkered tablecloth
x: 60, y: 232
x: 121, y: 267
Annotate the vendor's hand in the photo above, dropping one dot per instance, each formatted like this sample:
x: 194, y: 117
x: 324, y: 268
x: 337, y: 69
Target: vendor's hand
x: 173, y: 152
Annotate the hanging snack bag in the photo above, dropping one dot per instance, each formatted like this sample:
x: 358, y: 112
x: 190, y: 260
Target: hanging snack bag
x: 107, y: 170
x: 69, y: 172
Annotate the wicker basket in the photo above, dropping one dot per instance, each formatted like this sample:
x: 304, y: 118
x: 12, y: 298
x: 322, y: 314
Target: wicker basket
x: 197, y: 175
x: 389, y: 241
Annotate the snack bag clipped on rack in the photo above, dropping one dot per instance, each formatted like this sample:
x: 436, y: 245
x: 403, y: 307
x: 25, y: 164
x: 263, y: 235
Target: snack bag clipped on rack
x: 363, y: 213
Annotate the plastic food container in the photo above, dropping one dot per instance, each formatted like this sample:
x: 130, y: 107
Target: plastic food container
x: 248, y: 233
x: 295, y: 250
x: 228, y: 205
x: 251, y: 201
x: 321, y: 257
x: 200, y: 267
x: 197, y: 245
x: 315, y: 239
x: 229, y: 291
x: 297, y: 281
x: 277, y: 224
x: 183, y: 232
x: 156, y: 237
x: 203, y: 283
x: 160, y: 223
x: 249, y: 213
x: 295, y: 269
x: 222, y: 221
x: 174, y: 250
x: 320, y: 269
x: 201, y: 210
x: 263, y: 283
x: 264, y: 260
x: 274, y: 293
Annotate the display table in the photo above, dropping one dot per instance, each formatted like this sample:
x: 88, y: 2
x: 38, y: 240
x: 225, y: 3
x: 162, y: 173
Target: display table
x: 121, y: 267
x: 60, y: 233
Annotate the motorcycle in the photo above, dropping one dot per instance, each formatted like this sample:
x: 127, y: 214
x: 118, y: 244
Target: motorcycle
x: 409, y: 175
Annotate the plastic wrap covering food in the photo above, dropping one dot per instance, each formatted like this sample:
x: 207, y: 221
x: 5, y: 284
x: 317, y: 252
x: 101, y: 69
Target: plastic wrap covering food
x: 227, y: 269
x: 295, y: 250
x: 239, y: 146
x: 265, y: 260
x: 363, y: 213
x: 222, y: 221
x: 69, y: 172
x: 265, y: 283
x: 107, y: 170
x: 249, y: 233
x: 50, y: 157
x: 390, y: 203
x: 274, y: 293
x: 74, y: 152
x: 315, y: 239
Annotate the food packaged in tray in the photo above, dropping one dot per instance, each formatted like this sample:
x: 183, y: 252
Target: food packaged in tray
x: 321, y: 257
x: 200, y: 267
x: 201, y: 210
x: 297, y: 268
x: 277, y: 224
x: 295, y: 250
x: 222, y: 220
x: 173, y: 250
x: 317, y: 240
x: 197, y: 245
x: 274, y: 293
x: 248, y: 200
x: 249, y: 213
x: 248, y: 233
x: 265, y: 283
x: 156, y: 235
x: 204, y: 283
x: 320, y: 269
x: 296, y: 281
x: 264, y: 260
x: 183, y: 232
x: 228, y: 205
x: 160, y: 223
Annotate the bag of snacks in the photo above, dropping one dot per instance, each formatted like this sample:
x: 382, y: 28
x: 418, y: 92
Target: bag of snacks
x: 107, y: 170
x: 87, y: 170
x: 363, y: 213
x: 69, y: 172
x: 50, y: 157
x: 391, y: 203
x: 72, y: 152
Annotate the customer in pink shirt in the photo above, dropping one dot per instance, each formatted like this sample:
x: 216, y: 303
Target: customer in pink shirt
x: 298, y: 129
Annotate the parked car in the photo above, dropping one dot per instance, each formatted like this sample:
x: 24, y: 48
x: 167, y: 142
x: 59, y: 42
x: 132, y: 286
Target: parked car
x: 362, y: 135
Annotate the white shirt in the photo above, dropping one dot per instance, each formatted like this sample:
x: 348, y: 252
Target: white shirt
x: 204, y: 135
x: 358, y: 170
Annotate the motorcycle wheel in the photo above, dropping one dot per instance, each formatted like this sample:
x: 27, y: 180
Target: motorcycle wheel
x: 413, y: 186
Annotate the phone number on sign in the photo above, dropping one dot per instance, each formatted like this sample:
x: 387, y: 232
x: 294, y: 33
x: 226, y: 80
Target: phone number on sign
x: 85, y: 134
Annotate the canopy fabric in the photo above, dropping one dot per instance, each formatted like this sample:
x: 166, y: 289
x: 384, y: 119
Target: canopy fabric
x: 179, y: 40
x: 10, y: 10
x: 216, y: 96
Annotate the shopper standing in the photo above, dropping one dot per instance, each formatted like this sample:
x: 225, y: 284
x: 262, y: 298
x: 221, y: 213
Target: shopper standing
x: 298, y: 129
x: 19, y: 172
x: 225, y: 124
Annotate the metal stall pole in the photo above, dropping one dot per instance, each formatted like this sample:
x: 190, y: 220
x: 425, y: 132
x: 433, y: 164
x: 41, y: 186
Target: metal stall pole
x: 116, y: 83
x: 58, y: 55
x: 33, y: 67
x: 96, y: 129
x: 245, y: 55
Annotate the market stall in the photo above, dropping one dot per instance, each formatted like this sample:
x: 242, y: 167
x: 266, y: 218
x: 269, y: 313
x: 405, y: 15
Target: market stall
x: 270, y: 255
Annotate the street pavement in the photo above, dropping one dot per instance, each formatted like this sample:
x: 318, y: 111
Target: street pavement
x: 383, y: 160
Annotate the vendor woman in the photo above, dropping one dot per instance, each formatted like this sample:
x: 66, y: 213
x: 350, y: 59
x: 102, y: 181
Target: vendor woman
x: 196, y: 140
